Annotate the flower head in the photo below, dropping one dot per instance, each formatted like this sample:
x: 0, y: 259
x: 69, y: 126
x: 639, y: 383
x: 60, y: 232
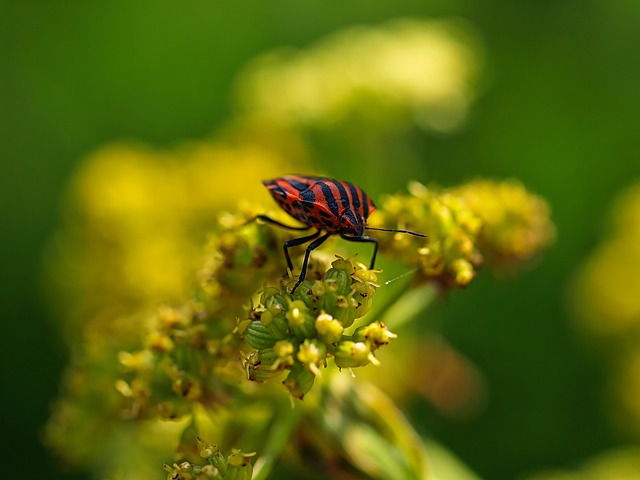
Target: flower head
x: 421, y: 70
x: 298, y: 333
x: 515, y: 223
x: 449, y: 255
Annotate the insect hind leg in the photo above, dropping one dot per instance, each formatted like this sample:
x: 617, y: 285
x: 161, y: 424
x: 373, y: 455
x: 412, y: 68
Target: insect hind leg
x: 315, y: 244
x: 298, y: 241
x: 365, y: 240
x: 272, y: 221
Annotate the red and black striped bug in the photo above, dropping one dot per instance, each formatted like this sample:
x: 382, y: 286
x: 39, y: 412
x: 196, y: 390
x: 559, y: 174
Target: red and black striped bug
x: 331, y: 206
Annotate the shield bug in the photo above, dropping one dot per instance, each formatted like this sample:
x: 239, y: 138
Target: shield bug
x: 332, y: 207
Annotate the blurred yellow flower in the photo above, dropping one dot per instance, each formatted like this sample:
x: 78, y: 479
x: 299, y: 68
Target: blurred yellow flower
x: 405, y: 68
x: 605, y: 295
x: 515, y: 222
x: 619, y: 464
x: 135, y: 219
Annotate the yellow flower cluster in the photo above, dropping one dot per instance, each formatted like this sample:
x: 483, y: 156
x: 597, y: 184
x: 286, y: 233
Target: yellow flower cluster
x: 239, y: 259
x: 236, y: 466
x: 298, y: 333
x: 515, y: 223
x: 404, y: 69
x: 498, y: 222
x: 449, y: 255
x: 188, y: 357
x: 136, y: 219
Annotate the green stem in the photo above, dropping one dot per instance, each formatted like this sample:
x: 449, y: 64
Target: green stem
x: 282, y: 428
x: 406, y: 304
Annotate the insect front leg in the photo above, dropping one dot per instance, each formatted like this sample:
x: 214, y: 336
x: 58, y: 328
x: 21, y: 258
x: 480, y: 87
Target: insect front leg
x: 365, y: 240
x: 270, y: 220
x: 297, y: 241
x: 315, y: 244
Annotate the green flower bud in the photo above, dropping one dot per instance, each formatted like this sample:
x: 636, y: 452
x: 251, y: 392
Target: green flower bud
x: 301, y: 320
x: 207, y: 451
x: 364, y: 287
x: 344, y: 310
x: 308, y: 353
x: 242, y: 325
x: 364, y: 275
x: 318, y: 289
x: 364, y: 305
x: 299, y: 381
x: 341, y: 278
x: 305, y: 293
x: 284, y: 349
x: 327, y: 293
x: 268, y: 293
x: 268, y: 357
x: 329, y: 329
x: 312, y: 354
x: 184, y: 471
x: 239, y: 466
x: 343, y: 264
x: 375, y: 334
x: 209, y: 471
x: 266, y: 318
x: 218, y: 460
x: 273, y: 315
x: 255, y: 371
x: 279, y: 327
x: 296, y: 313
x: 259, y: 336
x: 350, y: 354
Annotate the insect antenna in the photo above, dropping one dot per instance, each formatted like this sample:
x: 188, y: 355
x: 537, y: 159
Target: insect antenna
x: 415, y: 234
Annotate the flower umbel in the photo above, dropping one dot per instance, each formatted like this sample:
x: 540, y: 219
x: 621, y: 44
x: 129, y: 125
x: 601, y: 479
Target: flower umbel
x: 188, y: 363
x: 421, y: 69
x: 497, y: 222
x: 450, y: 254
x: 515, y: 222
x: 187, y: 358
x: 298, y: 333
x: 235, y: 466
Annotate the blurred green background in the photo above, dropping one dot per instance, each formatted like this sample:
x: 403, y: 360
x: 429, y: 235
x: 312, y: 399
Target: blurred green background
x: 558, y: 108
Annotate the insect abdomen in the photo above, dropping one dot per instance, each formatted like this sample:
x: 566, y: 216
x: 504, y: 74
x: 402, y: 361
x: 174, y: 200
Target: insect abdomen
x: 287, y: 192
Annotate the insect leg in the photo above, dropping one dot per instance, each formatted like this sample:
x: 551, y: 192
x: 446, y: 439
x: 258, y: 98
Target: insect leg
x: 297, y: 241
x: 270, y: 220
x: 365, y: 240
x: 315, y: 244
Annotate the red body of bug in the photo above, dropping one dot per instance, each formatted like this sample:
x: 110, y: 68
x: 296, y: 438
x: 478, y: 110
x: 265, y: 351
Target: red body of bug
x: 332, y: 206
x: 326, y: 204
